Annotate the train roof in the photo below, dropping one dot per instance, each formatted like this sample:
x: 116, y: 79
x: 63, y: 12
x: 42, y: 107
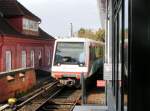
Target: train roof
x: 78, y: 39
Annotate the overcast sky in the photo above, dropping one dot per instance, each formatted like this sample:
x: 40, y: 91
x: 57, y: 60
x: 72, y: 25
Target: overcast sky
x: 56, y: 15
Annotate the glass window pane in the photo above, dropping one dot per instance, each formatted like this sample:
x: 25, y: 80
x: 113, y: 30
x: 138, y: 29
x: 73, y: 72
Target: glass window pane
x: 30, y: 25
x: 8, y: 60
x: 23, y: 59
x: 32, y: 58
x: 49, y: 57
x: 69, y: 53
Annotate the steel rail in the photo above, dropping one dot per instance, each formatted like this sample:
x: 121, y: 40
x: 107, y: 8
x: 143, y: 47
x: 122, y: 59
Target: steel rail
x: 36, y: 91
x: 62, y: 100
x: 49, y: 98
x: 37, y: 94
x: 2, y: 108
x: 71, y: 109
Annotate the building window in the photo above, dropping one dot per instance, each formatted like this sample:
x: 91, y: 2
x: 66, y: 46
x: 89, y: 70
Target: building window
x: 32, y: 58
x: 49, y: 57
x: 30, y: 25
x: 40, y: 58
x: 8, y: 60
x: 23, y: 59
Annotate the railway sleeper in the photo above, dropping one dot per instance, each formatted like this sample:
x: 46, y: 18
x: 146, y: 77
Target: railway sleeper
x: 62, y: 103
x: 57, y: 107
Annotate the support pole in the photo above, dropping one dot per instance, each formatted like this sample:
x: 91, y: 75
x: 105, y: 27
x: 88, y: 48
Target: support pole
x: 71, y: 30
x: 83, y: 89
x: 106, y: 93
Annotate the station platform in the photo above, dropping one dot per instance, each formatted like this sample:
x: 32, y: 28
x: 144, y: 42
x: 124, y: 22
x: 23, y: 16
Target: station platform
x: 90, y: 108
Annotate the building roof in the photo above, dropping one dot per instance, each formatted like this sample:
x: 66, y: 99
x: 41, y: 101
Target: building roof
x: 27, y: 13
x: 11, y: 8
x: 6, y: 29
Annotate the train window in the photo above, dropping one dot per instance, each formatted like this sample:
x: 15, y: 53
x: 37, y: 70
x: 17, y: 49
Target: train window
x: 23, y: 59
x: 99, y: 52
x: 8, y: 61
x: 69, y: 53
x: 32, y: 58
x: 92, y: 53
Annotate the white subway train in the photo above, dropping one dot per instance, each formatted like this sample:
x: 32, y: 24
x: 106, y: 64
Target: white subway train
x: 73, y: 56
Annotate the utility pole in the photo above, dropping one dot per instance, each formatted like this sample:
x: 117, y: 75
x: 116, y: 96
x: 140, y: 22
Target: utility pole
x: 71, y: 30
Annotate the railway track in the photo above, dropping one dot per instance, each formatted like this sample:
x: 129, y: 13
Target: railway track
x: 39, y: 94
x: 45, y: 85
x: 35, y: 101
x: 63, y: 101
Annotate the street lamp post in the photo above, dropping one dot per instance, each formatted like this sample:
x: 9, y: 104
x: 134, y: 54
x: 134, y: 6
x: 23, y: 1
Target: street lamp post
x: 71, y: 30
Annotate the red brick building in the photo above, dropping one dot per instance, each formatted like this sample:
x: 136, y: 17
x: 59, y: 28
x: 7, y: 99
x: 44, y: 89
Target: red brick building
x: 24, y: 47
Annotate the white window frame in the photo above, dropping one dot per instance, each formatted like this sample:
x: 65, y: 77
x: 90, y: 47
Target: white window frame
x: 49, y: 57
x: 23, y: 59
x: 40, y: 55
x: 32, y: 58
x: 8, y: 62
x: 30, y: 25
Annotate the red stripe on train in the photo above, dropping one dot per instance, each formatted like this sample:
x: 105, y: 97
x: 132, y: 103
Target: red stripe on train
x: 58, y: 75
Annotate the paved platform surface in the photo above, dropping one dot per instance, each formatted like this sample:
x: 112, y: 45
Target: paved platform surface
x: 97, y: 97
x: 90, y: 108
x: 111, y: 106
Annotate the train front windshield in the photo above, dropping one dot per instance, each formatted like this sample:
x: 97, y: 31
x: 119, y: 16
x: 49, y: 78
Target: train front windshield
x: 69, y: 53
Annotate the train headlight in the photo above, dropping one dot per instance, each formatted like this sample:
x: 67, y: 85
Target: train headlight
x: 81, y: 64
x: 58, y: 64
